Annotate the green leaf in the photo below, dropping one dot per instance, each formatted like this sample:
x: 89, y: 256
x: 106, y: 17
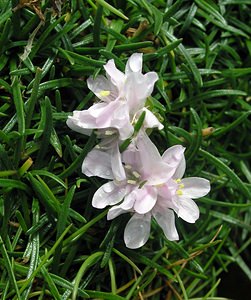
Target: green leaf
x: 112, y: 9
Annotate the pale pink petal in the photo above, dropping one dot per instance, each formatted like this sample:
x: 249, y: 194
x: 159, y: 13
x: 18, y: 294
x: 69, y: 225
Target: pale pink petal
x: 179, y: 172
x: 125, y: 131
x: 131, y: 157
x: 137, y: 88
x: 150, y: 78
x: 128, y: 202
x: 108, y: 194
x: 81, y: 120
x: 150, y: 120
x: 121, y: 121
x: 106, y: 114
x: 166, y: 220
x: 164, y: 203
x: 97, y: 110
x: 101, y: 84
x: 150, y: 153
x: 125, y: 207
x: 195, y: 187
x: 174, y: 155
x: 112, y: 115
x: 76, y: 126
x: 161, y: 173
x: 97, y: 163
x: 116, y: 164
x: 167, y: 190
x: 134, y: 92
x: 153, y: 169
x: 145, y: 199
x: 137, y: 231
x: 107, y: 141
x: 187, y: 209
x: 134, y: 63
x: 115, y: 75
x: 115, y: 211
x: 97, y: 116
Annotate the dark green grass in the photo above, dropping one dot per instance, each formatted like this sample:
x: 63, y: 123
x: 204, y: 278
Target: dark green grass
x: 53, y: 244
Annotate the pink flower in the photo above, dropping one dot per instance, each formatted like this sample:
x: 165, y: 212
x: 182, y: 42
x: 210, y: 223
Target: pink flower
x: 152, y: 188
x: 174, y: 196
x: 145, y: 171
x: 122, y: 99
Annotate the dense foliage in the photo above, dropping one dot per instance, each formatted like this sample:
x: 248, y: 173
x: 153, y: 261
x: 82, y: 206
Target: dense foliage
x: 53, y: 243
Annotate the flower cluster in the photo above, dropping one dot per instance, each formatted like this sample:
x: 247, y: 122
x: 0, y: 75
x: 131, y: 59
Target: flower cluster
x: 142, y: 182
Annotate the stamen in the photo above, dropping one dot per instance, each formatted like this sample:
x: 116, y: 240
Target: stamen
x: 160, y: 185
x: 104, y: 93
x: 131, y: 181
x: 179, y: 192
x: 109, y: 132
x: 142, y: 184
x: 136, y: 174
x: 133, y: 119
x: 181, y: 186
x: 128, y: 167
x: 178, y: 180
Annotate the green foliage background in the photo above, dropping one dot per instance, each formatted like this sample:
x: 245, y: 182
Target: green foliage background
x: 53, y: 244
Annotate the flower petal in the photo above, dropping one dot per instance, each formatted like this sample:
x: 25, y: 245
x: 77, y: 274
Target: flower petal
x: 174, y: 155
x: 166, y: 220
x: 81, y: 121
x: 114, y: 74
x: 187, y: 209
x: 195, y: 187
x: 145, y: 199
x: 121, y: 121
x: 131, y: 157
x: 101, y: 84
x: 97, y: 163
x: 179, y: 172
x: 167, y: 190
x: 116, y: 164
x: 150, y: 78
x: 137, y: 88
x: 137, y: 231
x: 134, y: 63
x: 108, y: 194
x: 124, y: 207
x: 115, y: 211
x: 153, y: 169
x: 105, y: 115
x: 151, y: 121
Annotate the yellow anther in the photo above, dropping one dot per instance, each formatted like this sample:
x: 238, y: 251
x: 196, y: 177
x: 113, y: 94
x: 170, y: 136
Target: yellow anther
x: 131, y: 181
x: 109, y: 132
x: 181, y: 186
x: 136, y: 174
x: 179, y: 192
x: 160, y: 185
x: 178, y: 180
x: 104, y: 93
x: 128, y: 167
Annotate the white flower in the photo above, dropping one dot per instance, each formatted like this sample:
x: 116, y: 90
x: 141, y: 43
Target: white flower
x: 122, y: 96
x: 143, y: 169
x: 175, y: 195
x: 153, y: 188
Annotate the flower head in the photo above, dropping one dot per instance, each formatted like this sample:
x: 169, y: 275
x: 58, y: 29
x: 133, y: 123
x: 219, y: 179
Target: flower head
x: 173, y: 196
x: 143, y: 172
x: 122, y: 98
x: 152, y: 188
